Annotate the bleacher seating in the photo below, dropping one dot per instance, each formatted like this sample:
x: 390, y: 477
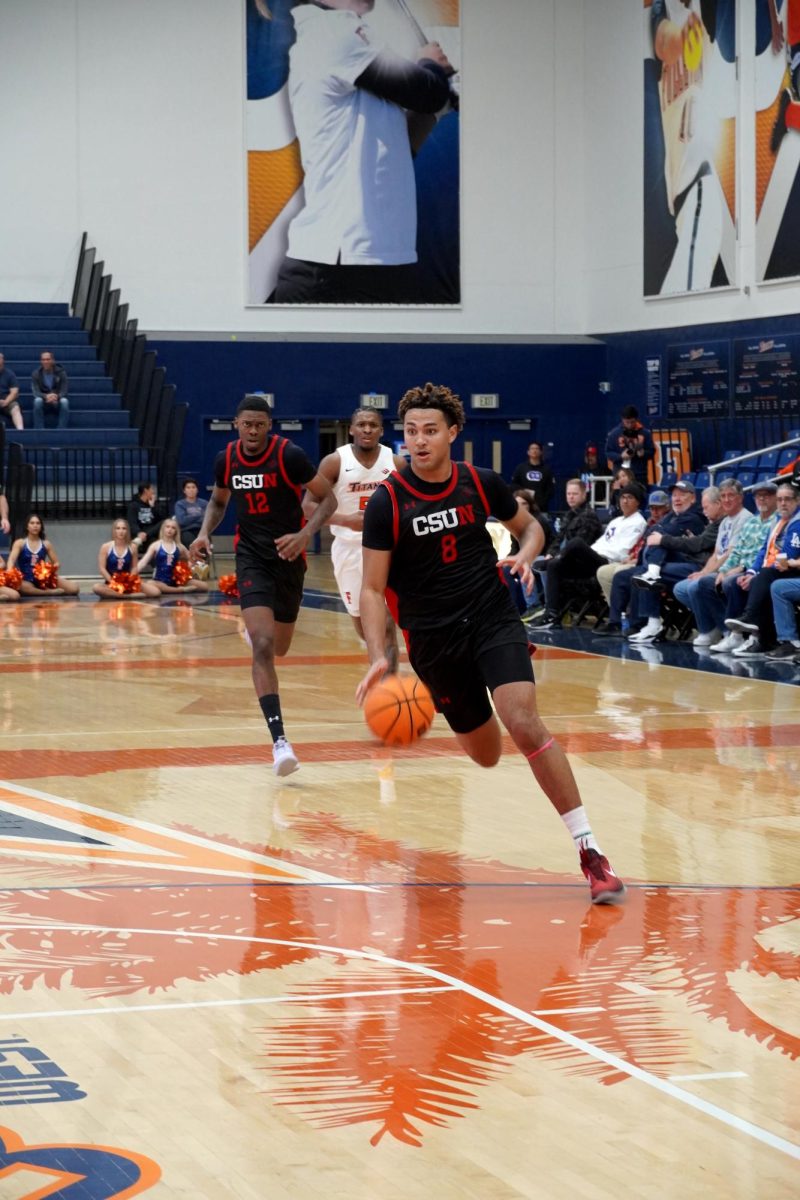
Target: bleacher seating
x: 787, y: 456
x: 746, y: 478
x: 701, y: 480
x: 768, y: 461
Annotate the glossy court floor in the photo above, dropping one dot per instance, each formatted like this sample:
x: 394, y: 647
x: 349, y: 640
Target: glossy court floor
x: 381, y: 978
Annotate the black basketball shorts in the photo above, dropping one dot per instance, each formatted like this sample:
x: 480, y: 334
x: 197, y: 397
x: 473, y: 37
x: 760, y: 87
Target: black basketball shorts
x: 271, y: 583
x: 459, y: 662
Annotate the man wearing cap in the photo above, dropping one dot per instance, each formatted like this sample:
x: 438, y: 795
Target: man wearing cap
x: 699, y: 591
x: 726, y: 595
x: 615, y: 578
x: 629, y: 444
x: 578, y: 560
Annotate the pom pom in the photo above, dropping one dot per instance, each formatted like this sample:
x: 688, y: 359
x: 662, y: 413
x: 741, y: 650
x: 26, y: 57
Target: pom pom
x: 11, y: 578
x: 45, y: 574
x: 228, y: 586
x: 181, y: 573
x: 125, y: 583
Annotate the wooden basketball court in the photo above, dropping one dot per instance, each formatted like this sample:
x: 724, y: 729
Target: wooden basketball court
x: 381, y: 978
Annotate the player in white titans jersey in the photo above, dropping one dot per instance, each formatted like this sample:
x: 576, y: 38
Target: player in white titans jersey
x: 683, y: 41
x: 354, y: 471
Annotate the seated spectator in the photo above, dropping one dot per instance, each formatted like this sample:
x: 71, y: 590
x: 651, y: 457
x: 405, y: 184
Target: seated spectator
x: 622, y: 477
x: 526, y: 499
x: 166, y: 552
x: 785, y: 596
x: 615, y: 578
x: 734, y: 582
x: 9, y: 395
x: 49, y: 383
x: 699, y: 591
x: 535, y: 476
x: 581, y: 561
x: 580, y: 521
x: 629, y: 444
x: 189, y: 511
x: 143, y: 516
x: 28, y: 553
x: 781, y: 547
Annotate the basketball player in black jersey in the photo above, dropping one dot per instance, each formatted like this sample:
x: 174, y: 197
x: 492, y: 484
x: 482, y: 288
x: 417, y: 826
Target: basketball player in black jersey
x: 266, y: 475
x: 427, y: 549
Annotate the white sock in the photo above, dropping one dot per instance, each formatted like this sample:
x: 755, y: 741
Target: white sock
x: 653, y: 571
x: 578, y: 825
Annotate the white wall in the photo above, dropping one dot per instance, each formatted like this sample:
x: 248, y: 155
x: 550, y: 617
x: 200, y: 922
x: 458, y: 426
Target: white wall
x: 137, y: 137
x: 613, y: 143
x: 145, y: 121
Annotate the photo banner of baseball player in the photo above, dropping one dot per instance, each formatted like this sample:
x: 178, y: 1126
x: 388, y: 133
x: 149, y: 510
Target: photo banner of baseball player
x: 690, y: 106
x: 353, y: 161
x: 777, y: 122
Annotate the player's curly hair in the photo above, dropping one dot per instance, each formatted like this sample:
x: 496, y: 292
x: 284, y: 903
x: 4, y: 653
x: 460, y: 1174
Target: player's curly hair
x: 434, y: 395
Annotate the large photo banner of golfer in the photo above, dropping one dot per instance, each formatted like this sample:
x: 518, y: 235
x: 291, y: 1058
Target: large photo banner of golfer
x: 353, y: 172
x: 690, y: 112
x: 777, y: 119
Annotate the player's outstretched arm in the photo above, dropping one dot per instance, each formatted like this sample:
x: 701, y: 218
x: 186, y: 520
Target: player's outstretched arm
x: 215, y: 511
x: 375, y: 573
x: 329, y: 469
x: 291, y: 545
x: 530, y: 535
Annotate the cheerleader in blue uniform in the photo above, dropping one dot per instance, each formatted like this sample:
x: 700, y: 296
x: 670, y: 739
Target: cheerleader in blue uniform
x: 117, y: 557
x: 165, y: 554
x: 28, y: 552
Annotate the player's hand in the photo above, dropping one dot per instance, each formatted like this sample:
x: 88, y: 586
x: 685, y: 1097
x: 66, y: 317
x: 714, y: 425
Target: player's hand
x: 200, y: 549
x: 374, y: 675
x: 291, y: 545
x: 435, y: 53
x: 522, y: 569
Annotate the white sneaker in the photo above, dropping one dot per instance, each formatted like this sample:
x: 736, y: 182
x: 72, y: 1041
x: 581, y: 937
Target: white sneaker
x: 707, y: 639
x: 749, y: 649
x: 284, y: 759
x: 728, y: 644
x: 651, y: 630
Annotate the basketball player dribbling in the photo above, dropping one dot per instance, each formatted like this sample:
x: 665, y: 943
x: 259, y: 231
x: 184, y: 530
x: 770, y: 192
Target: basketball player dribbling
x: 266, y: 475
x: 354, y: 471
x: 426, y: 544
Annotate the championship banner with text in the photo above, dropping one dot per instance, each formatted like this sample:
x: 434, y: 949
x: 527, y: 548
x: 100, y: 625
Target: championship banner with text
x: 690, y: 103
x: 777, y: 121
x: 353, y: 171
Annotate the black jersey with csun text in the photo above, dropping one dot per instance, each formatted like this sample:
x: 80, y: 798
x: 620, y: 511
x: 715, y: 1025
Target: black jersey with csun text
x: 444, y: 566
x: 266, y: 490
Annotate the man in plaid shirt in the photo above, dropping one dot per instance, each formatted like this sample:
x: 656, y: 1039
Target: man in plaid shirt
x: 729, y: 595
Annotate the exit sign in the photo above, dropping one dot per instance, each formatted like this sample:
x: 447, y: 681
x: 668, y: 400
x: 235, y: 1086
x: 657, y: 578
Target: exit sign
x: 485, y: 400
x: 374, y: 400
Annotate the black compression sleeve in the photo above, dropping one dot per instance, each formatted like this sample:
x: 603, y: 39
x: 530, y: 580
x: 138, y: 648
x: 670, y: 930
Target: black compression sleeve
x: 421, y: 87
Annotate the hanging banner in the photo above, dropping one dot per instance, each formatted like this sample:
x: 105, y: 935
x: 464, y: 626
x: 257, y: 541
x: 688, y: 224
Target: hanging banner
x: 353, y: 174
x: 777, y: 123
x: 690, y: 98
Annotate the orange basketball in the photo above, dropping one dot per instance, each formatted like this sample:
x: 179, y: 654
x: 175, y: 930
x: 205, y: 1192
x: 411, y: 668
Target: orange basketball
x: 399, y: 709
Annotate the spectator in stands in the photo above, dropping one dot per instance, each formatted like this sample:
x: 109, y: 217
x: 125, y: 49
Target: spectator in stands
x: 580, y: 521
x: 189, y: 511
x: 535, y: 476
x: 629, y: 444
x: 50, y: 385
x: 785, y: 595
x: 591, y: 464
x: 734, y: 581
x: 615, y: 578
x: 9, y: 395
x: 143, y: 516
x: 687, y: 557
x: 29, y: 552
x: 701, y: 591
x: 781, y: 547
x: 581, y: 561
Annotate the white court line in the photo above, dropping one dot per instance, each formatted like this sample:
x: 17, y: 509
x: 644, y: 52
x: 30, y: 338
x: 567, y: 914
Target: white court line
x: 638, y: 989
x: 123, y: 1009
x: 552, y: 1012
x: 715, y: 1074
x: 612, y: 1060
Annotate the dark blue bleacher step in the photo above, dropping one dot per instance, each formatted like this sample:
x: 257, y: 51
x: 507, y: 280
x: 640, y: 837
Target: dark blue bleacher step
x: 83, y: 369
x: 13, y: 308
x: 74, y: 437
x: 42, y: 339
x: 100, y: 401
x: 126, y: 476
x: 51, y: 326
x: 91, y: 418
x: 63, y: 352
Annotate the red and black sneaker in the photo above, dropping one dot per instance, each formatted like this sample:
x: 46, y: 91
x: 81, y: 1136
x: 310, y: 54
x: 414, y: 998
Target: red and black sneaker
x: 605, y: 886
